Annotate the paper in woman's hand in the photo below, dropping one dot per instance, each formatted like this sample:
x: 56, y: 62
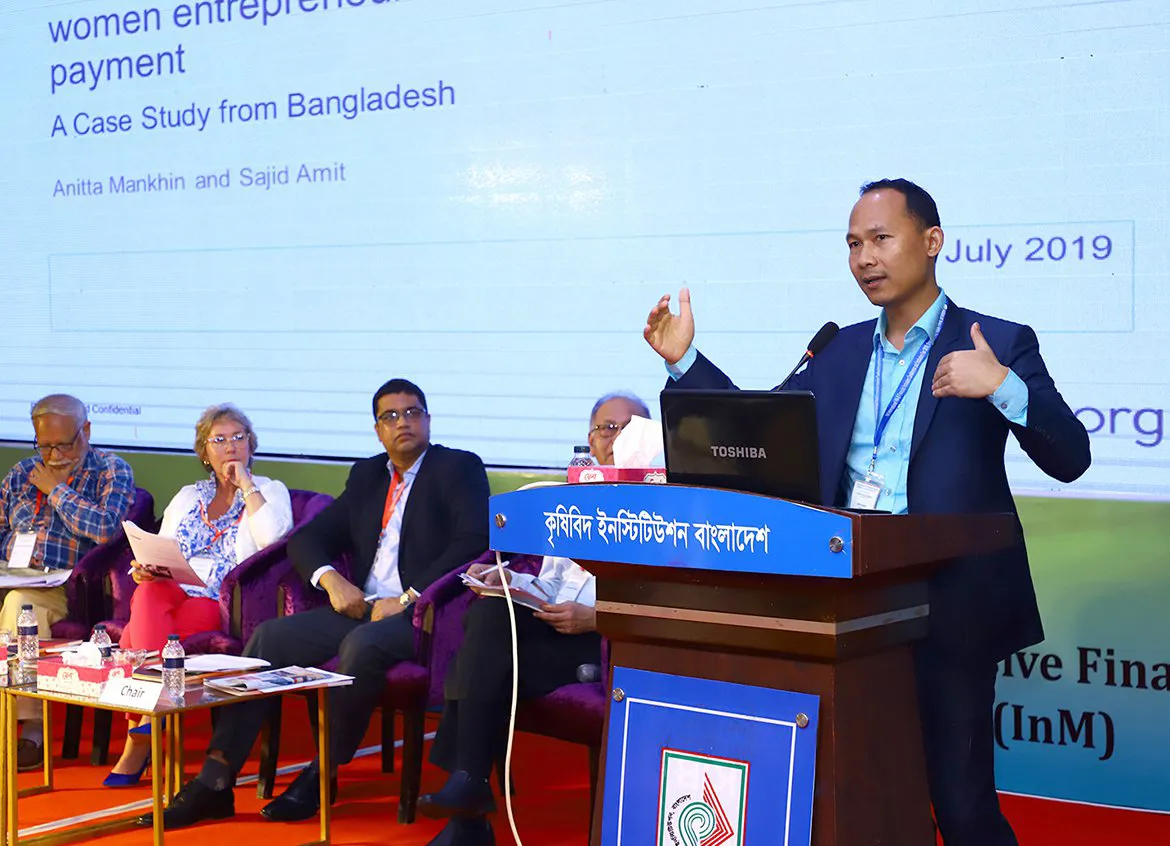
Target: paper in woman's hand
x: 161, y: 557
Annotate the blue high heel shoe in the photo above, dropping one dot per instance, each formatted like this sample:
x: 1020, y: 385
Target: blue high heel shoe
x: 142, y: 730
x: 126, y: 779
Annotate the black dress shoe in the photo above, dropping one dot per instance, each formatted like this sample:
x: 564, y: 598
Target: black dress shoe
x: 301, y: 800
x: 472, y: 831
x: 196, y: 802
x: 29, y: 755
x: 461, y: 796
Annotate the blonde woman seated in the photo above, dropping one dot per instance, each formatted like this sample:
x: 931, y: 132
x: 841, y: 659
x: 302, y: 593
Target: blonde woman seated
x: 218, y: 523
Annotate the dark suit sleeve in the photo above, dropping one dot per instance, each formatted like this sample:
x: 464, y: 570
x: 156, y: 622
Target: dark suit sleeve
x: 703, y: 374
x: 467, y: 526
x: 326, y: 537
x: 1053, y: 438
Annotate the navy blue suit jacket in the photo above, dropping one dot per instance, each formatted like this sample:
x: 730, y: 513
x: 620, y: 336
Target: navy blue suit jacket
x: 445, y: 524
x: 981, y: 607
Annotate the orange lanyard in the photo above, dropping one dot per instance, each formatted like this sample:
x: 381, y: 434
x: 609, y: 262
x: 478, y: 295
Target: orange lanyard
x: 207, y: 523
x: 392, y: 497
x: 41, y: 495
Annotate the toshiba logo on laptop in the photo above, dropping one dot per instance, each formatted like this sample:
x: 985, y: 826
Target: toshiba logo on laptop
x: 738, y: 452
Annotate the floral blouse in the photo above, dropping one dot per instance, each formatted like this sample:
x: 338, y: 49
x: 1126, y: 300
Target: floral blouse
x: 211, y: 542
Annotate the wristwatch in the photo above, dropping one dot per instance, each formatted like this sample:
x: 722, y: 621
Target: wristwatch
x: 406, y: 599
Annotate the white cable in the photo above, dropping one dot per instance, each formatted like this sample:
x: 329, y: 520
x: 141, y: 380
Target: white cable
x: 506, y: 787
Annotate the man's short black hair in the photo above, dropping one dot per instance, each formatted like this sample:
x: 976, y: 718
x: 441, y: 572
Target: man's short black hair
x: 919, y: 204
x: 400, y: 386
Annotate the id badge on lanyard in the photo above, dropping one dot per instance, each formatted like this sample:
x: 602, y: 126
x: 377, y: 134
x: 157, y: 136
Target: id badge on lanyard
x: 866, y: 491
x: 23, y: 546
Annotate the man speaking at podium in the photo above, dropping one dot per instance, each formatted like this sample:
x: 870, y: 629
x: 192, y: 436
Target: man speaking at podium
x: 913, y: 413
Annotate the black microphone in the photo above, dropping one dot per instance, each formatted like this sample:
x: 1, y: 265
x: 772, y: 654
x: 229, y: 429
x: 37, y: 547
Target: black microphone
x: 588, y: 673
x: 819, y: 341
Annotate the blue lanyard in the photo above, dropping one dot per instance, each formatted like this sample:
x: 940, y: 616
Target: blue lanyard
x: 883, y: 419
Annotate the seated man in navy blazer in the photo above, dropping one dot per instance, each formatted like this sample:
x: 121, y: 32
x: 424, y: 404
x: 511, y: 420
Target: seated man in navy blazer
x: 913, y: 413
x: 405, y: 518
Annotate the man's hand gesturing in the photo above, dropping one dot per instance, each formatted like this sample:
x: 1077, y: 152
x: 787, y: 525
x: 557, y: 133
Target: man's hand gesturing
x: 669, y: 334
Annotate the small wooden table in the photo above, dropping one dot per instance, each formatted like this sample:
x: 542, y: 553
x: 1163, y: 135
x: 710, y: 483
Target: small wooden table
x: 166, y: 745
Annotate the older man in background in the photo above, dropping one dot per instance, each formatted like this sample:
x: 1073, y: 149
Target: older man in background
x: 55, y: 507
x: 610, y: 415
x: 551, y: 644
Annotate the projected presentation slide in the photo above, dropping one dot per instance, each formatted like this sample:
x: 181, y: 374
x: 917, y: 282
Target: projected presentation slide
x: 283, y: 203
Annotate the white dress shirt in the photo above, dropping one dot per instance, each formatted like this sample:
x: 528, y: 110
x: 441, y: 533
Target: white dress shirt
x: 561, y: 578
x: 384, y: 581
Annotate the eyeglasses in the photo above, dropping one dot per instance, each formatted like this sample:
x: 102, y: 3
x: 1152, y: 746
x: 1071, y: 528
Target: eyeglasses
x: 608, y: 429
x: 47, y: 449
x: 392, y: 416
x: 222, y: 440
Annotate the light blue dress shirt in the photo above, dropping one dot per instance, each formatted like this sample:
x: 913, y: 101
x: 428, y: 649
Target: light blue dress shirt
x: 893, y: 458
x: 384, y: 581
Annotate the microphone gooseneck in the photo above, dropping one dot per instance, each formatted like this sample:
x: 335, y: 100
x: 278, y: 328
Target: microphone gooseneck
x: 818, y: 343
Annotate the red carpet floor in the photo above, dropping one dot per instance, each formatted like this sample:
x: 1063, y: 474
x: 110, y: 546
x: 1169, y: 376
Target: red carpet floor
x: 550, y: 805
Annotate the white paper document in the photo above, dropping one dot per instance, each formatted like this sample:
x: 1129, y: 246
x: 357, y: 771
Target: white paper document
x: 534, y: 599
x: 23, y: 546
x: 29, y: 578
x: 222, y: 663
x: 161, y: 557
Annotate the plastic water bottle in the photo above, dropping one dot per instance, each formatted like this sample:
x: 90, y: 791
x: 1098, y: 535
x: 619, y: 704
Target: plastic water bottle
x: 101, y: 639
x: 582, y: 457
x: 4, y: 638
x: 174, y: 674
x: 28, y: 644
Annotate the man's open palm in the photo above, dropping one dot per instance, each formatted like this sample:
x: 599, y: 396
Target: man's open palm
x: 671, y: 334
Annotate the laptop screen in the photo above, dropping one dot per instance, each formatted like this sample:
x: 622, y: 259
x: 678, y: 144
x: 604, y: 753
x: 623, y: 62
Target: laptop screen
x: 756, y: 441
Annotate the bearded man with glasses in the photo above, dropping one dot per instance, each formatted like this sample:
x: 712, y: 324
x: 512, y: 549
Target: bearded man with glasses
x: 55, y: 506
x: 407, y: 517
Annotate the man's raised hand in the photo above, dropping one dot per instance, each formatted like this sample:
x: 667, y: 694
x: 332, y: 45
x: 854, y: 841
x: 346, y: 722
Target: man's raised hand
x: 669, y: 334
x: 972, y: 374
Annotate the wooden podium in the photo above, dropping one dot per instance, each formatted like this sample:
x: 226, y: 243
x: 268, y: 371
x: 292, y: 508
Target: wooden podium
x: 751, y: 590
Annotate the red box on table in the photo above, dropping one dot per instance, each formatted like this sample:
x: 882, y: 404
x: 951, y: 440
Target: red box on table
x: 608, y: 473
x: 53, y: 674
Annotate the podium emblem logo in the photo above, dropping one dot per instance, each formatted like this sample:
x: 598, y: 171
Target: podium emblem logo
x: 702, y: 800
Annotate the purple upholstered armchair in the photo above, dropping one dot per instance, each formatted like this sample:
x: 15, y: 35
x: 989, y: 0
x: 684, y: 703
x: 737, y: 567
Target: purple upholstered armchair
x: 412, y: 687
x: 88, y: 602
x: 574, y: 712
x: 85, y: 593
x: 250, y: 594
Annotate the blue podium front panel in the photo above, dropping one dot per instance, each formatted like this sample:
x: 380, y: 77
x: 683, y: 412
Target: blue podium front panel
x: 674, y: 526
x: 694, y: 762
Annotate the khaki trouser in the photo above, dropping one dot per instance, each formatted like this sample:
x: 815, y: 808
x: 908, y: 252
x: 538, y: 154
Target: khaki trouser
x: 49, y: 606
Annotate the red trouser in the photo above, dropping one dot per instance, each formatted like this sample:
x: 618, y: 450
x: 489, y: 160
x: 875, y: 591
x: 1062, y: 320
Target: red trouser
x: 161, y: 608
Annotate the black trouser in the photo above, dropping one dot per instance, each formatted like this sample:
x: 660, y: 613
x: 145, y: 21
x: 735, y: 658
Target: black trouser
x: 956, y: 697
x: 472, y: 734
x: 367, y: 650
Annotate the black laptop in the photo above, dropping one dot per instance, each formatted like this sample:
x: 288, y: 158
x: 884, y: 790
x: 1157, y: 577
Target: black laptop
x: 757, y: 441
